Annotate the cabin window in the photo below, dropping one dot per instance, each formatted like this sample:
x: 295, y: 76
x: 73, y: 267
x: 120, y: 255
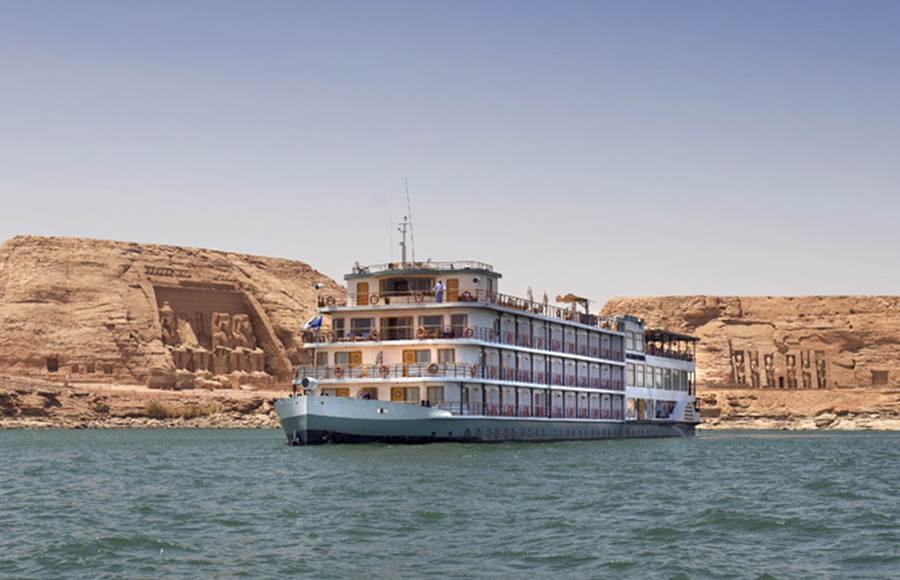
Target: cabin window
x: 432, y: 325
x: 406, y: 286
x: 337, y: 324
x: 458, y: 324
x: 350, y: 359
x: 659, y: 379
x: 629, y: 374
x: 341, y: 392
x: 416, y: 356
x: 405, y: 394
x: 446, y: 355
x: 639, y: 341
x: 369, y: 393
x: 322, y: 359
x: 361, y: 327
x: 639, y: 375
x: 397, y: 328
x: 629, y: 340
x: 667, y: 379
x: 435, y: 395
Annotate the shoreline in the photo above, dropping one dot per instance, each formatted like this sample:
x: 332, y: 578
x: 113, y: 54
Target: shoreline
x: 27, y: 403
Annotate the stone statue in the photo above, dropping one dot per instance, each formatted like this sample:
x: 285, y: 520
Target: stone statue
x: 737, y: 360
x: 242, y: 332
x: 821, y: 379
x: 221, y: 331
x: 791, y: 361
x: 169, y: 323
x: 754, y: 369
x: 769, y: 362
x: 806, y: 370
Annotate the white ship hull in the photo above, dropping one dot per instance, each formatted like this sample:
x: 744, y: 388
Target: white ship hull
x: 314, y: 420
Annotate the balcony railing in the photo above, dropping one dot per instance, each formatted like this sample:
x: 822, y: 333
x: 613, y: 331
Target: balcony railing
x: 539, y: 411
x: 478, y: 333
x: 471, y: 296
x: 440, y: 371
x: 436, y: 266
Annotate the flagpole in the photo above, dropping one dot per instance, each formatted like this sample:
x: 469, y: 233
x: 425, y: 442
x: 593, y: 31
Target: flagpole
x: 318, y: 329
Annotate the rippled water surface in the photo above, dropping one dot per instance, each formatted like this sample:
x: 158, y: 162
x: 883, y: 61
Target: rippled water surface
x: 243, y: 504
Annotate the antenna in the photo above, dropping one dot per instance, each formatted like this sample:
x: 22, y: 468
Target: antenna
x: 412, y: 238
x: 391, y: 228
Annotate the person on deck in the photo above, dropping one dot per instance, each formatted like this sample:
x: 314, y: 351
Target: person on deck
x: 439, y: 291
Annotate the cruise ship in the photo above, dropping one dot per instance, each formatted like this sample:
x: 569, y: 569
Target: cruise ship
x: 422, y: 352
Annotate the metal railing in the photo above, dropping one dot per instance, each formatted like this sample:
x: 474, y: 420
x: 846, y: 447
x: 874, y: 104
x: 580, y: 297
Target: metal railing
x: 473, y: 296
x: 479, y: 333
x: 427, y: 265
x: 455, y: 371
x: 538, y: 411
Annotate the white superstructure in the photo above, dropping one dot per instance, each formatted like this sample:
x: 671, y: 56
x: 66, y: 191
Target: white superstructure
x: 482, y: 365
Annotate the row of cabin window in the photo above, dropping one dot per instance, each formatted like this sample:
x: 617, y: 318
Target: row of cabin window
x: 634, y: 340
x: 407, y: 394
x: 412, y: 356
x: 639, y: 375
x: 400, y: 328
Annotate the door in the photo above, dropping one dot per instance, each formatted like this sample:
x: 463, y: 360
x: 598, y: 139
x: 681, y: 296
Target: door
x: 453, y: 290
x: 362, y: 293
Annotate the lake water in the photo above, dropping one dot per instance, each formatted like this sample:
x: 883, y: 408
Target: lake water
x: 243, y: 504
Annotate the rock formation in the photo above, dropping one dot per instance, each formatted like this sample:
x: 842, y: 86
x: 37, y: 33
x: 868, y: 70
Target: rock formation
x: 802, y: 343
x: 85, y: 310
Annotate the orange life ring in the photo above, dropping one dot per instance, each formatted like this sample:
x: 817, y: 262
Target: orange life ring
x: 493, y: 372
x: 329, y: 336
x: 432, y: 369
x: 383, y: 370
x: 469, y: 332
x: 330, y: 301
x: 338, y: 371
x: 420, y: 332
x: 374, y: 334
x: 419, y: 297
x: 558, y: 380
x: 509, y: 338
x: 492, y: 297
x: 466, y: 296
x: 373, y: 299
x: 490, y: 335
x: 474, y: 370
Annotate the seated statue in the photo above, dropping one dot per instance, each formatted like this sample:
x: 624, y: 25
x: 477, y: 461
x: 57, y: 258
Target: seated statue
x: 169, y: 324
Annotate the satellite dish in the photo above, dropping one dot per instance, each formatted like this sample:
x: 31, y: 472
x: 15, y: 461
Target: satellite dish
x: 309, y: 384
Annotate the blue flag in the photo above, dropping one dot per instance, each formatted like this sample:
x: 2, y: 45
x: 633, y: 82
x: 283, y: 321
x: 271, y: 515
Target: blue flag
x: 314, y: 322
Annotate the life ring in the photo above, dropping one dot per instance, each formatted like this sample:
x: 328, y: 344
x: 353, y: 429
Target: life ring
x: 540, y: 342
x: 493, y: 412
x: 540, y: 309
x: 338, y: 371
x: 374, y: 334
x: 493, y: 372
x: 474, y: 370
x: 556, y: 345
x: 373, y: 299
x: 329, y: 336
x: 490, y: 335
x: 509, y: 338
x: 383, y: 370
x: 466, y: 296
x: 296, y: 373
x: 432, y: 369
x: 558, y: 380
x: 419, y: 297
x: 469, y: 332
x: 420, y: 332
x: 330, y: 301
x: 492, y: 297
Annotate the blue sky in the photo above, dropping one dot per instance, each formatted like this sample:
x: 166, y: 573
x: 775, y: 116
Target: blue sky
x: 603, y: 148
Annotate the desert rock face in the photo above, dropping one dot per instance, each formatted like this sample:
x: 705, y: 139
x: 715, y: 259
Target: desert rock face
x: 809, y: 342
x: 101, y: 311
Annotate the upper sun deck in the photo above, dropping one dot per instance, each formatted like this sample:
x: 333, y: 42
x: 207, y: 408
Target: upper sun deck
x: 421, y: 268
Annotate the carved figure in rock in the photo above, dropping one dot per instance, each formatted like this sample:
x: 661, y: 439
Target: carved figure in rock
x: 769, y: 362
x: 754, y: 369
x: 791, y: 363
x: 806, y: 370
x: 182, y: 358
x: 201, y: 359
x: 169, y: 323
x: 821, y: 379
x: 738, y: 364
x: 257, y: 361
x: 242, y: 332
x: 221, y: 331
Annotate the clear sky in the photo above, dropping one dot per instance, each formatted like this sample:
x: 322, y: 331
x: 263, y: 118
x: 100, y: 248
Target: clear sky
x: 605, y: 148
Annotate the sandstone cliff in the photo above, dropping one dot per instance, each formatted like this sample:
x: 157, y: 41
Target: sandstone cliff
x: 88, y: 310
x: 809, y: 342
